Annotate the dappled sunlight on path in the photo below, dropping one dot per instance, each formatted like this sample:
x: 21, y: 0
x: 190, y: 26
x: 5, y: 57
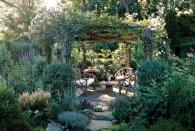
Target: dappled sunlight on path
x: 100, y: 97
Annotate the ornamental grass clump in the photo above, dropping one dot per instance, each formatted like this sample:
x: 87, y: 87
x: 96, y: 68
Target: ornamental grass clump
x: 38, y: 100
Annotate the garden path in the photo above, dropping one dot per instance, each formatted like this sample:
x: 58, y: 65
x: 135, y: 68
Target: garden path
x: 100, y: 98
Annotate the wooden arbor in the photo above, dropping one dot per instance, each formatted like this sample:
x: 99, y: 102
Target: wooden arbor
x: 123, y: 34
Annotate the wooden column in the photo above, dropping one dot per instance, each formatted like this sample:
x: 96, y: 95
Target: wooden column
x: 148, y: 47
x: 84, y: 52
x: 48, y: 53
x: 128, y: 56
x: 148, y: 51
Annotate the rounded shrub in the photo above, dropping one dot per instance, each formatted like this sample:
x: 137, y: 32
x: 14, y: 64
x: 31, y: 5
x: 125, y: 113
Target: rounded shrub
x: 57, y: 78
x: 167, y: 125
x: 9, y: 106
x: 19, y: 125
x: 53, y: 127
x: 151, y: 71
x: 73, y: 120
x: 124, y: 108
x: 173, y: 100
x: 181, y: 99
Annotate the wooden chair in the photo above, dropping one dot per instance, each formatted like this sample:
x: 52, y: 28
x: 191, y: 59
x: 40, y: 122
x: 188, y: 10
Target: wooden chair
x: 84, y: 80
x: 126, y: 78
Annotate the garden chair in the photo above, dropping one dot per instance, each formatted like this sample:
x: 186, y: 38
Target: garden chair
x: 84, y: 80
x: 126, y: 78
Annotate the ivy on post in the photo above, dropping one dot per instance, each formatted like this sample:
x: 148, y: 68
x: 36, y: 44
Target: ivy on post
x: 66, y: 53
x: 148, y: 45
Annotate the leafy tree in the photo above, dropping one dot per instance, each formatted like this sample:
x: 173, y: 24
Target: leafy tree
x: 172, y: 28
x: 19, y: 16
x: 43, y: 31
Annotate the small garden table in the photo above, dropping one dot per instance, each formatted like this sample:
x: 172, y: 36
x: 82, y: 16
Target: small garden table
x: 109, y: 85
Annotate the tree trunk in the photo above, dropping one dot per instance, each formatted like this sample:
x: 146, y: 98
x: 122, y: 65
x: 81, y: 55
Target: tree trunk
x: 66, y: 53
x: 128, y: 56
x: 48, y: 53
x: 84, y: 53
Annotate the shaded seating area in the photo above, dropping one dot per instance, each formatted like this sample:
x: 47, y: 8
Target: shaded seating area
x: 124, y: 78
x: 84, y: 80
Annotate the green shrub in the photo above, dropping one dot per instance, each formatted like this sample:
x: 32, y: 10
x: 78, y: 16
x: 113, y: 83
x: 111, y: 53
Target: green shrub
x: 6, y: 62
x: 27, y: 75
x: 18, y: 125
x: 38, y: 100
x: 120, y: 127
x: 57, y: 78
x: 40, y: 64
x: 124, y: 108
x: 84, y: 65
x: 9, y: 106
x: 39, y: 129
x: 53, y: 127
x: 37, y: 119
x: 167, y: 125
x: 105, y: 46
x: 3, y: 82
x: 163, y: 125
x: 181, y: 99
x: 22, y: 78
x: 55, y: 109
x: 69, y: 100
x: 41, y: 118
x: 137, y: 125
x: 173, y: 100
x: 153, y: 103
x: 151, y: 71
x: 134, y: 65
x: 73, y: 120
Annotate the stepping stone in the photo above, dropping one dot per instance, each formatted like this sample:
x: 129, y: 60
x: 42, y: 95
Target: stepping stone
x: 95, y: 125
x: 107, y: 116
x: 106, y: 113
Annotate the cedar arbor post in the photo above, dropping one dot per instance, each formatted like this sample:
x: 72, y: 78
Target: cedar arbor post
x: 148, y: 46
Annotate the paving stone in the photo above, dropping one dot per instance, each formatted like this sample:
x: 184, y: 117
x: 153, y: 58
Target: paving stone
x: 95, y: 125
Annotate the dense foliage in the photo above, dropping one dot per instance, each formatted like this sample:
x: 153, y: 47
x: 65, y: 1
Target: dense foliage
x: 43, y: 42
x: 73, y: 120
x: 9, y: 105
x: 5, y: 61
x: 152, y: 71
x: 58, y: 78
x: 167, y: 125
x: 124, y: 109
